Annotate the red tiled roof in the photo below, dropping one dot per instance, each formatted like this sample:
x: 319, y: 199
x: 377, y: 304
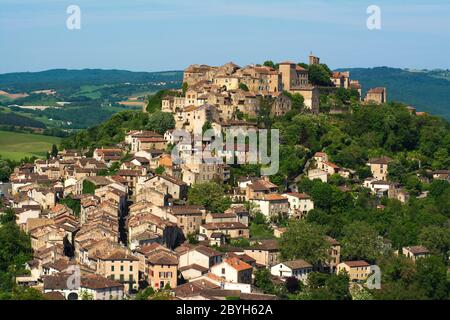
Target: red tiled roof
x: 237, y: 264
x: 274, y: 197
x: 358, y: 263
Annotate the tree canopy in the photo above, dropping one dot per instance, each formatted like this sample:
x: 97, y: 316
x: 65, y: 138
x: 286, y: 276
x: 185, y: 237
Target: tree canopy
x: 306, y: 241
x: 211, y: 195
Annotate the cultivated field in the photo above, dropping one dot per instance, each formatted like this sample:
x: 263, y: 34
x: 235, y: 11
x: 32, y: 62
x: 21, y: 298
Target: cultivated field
x: 16, y: 146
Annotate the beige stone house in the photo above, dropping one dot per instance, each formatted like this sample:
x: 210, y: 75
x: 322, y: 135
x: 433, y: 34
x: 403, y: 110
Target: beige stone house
x: 299, y: 204
x: 293, y: 76
x: 162, y: 269
x: 200, y: 255
x: 356, y: 270
x: 120, y: 265
x: 341, y: 79
x: 189, y: 218
x: 230, y: 229
x: 311, y: 97
x: 376, y: 95
x: 334, y: 252
x: 415, y: 252
x: 175, y: 187
x: 149, y: 143
x: 379, y: 167
x: 108, y: 155
x: 271, y: 205
x: 265, y: 252
x: 172, y: 104
x: 258, y: 188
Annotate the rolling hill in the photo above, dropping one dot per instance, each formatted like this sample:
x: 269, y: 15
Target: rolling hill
x: 427, y: 91
x: 16, y: 146
x: 64, y: 78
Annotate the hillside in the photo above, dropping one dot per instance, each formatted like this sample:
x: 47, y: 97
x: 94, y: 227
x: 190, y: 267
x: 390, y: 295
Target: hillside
x: 63, y: 78
x: 428, y: 91
x: 95, y: 95
x: 8, y: 118
x: 78, y: 99
x: 16, y: 146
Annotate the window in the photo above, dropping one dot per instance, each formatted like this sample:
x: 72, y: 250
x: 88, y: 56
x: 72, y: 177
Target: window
x: 112, y: 268
x: 131, y: 268
x: 121, y: 268
x: 223, y: 270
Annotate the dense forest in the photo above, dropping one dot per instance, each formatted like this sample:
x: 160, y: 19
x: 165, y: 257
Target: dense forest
x: 15, y: 250
x: 12, y: 119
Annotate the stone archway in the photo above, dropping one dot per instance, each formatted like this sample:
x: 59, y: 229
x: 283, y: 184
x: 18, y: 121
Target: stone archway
x: 72, y: 296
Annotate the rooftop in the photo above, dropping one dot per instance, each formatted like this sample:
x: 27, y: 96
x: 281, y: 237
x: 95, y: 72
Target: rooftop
x: 297, y: 264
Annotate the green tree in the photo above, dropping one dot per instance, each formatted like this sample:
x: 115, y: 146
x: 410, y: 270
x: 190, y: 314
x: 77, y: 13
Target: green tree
x: 15, y: 250
x: 206, y: 126
x: 298, y: 102
x: 243, y: 86
x: 436, y: 239
x: 263, y: 280
x: 361, y: 242
x: 161, y: 295
x: 73, y: 204
x: 322, y: 286
x: 210, y: 195
x: 5, y: 170
x: 432, y: 277
x: 86, y: 295
x: 264, y: 112
x: 160, y: 122
x: 413, y: 185
x: 185, y: 88
x: 24, y: 293
x: 320, y: 74
x: 304, y: 241
x: 154, y: 102
x: 88, y: 187
x: 322, y: 195
x: 259, y: 227
x: 270, y: 64
x: 441, y: 159
x: 160, y: 170
x: 145, y: 294
x: 54, y: 151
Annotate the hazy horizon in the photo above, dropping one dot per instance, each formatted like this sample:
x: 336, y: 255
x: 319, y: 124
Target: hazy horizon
x: 180, y: 70
x: 167, y: 35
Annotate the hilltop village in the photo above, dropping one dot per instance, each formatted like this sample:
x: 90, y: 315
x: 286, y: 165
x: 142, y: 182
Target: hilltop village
x: 230, y: 92
x: 127, y: 220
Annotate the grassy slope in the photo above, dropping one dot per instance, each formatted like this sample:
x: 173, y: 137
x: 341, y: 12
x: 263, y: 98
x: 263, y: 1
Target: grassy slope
x: 15, y: 146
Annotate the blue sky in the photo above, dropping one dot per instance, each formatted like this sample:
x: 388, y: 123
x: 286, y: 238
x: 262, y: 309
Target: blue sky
x: 154, y: 35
